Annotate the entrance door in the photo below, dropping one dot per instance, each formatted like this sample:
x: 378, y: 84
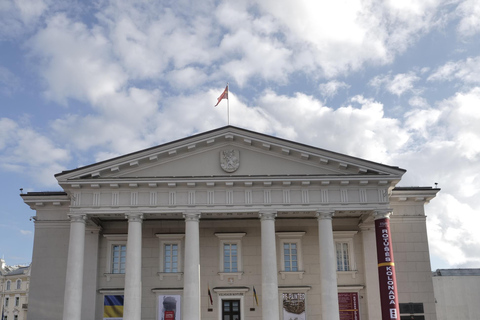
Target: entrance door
x: 231, y: 309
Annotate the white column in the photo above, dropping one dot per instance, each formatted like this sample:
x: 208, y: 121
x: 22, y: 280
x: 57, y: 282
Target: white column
x: 270, y: 306
x: 328, y: 270
x: 133, y: 269
x: 371, y: 271
x: 72, y: 303
x: 191, y: 276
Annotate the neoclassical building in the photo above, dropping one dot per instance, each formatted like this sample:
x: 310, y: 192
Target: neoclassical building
x: 231, y: 224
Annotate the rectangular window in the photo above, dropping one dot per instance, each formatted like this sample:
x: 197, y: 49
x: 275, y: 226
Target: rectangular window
x: 6, y: 301
x: 8, y: 284
x: 343, y: 257
x: 230, y: 254
x: 290, y: 256
x: 230, y: 257
x: 119, y: 255
x: 171, y: 257
x: 19, y: 284
x: 345, y: 250
x: 17, y: 301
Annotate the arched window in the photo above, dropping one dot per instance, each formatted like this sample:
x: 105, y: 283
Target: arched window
x: 19, y: 284
x: 8, y: 284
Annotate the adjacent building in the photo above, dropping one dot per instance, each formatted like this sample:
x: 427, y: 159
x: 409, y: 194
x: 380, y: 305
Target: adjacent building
x: 457, y: 292
x: 228, y: 224
x: 14, y: 285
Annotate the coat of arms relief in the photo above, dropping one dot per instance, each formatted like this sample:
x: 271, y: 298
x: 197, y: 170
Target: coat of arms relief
x: 230, y: 160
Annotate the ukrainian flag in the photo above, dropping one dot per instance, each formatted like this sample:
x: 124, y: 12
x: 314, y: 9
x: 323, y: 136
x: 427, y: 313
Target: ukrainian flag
x: 113, y: 307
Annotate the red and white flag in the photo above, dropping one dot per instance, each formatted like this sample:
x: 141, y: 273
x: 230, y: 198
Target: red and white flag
x: 224, y: 95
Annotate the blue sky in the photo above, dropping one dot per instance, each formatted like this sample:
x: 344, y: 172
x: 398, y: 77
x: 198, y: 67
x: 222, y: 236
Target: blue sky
x: 396, y: 82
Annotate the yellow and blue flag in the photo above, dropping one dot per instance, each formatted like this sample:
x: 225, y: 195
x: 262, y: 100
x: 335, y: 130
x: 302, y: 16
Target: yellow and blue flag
x: 113, y: 307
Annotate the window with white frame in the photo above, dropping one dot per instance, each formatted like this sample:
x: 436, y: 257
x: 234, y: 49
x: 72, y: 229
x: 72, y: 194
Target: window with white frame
x: 290, y: 253
x: 230, y: 254
x: 170, y: 254
x: 19, y: 284
x: 8, y: 284
x: 116, y: 254
x: 6, y: 301
x: 344, y: 250
x: 17, y: 301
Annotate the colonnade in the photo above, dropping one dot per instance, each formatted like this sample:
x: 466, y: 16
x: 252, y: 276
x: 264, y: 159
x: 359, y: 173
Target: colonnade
x: 191, y: 289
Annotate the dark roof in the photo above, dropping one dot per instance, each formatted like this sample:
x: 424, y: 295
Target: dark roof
x: 414, y: 188
x: 45, y: 193
x: 456, y: 272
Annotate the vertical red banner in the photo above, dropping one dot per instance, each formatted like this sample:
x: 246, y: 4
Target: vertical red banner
x: 386, y: 271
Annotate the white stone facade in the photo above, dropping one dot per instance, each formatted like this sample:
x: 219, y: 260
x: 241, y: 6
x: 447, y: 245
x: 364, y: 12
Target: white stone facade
x: 281, y: 215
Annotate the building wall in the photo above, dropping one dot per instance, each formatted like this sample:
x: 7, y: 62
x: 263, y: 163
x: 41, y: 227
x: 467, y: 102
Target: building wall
x: 412, y: 259
x: 457, y: 297
x: 49, y: 263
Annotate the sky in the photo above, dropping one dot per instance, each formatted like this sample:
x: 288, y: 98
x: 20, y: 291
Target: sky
x: 392, y: 81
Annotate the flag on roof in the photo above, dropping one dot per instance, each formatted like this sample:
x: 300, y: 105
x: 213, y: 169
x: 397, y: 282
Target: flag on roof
x: 224, y: 95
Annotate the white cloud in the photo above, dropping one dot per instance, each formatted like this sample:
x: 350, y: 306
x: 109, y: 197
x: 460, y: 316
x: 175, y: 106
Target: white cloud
x: 359, y: 129
x: 29, y: 152
x: 469, y: 13
x: 397, y: 85
x: 26, y: 232
x: 466, y: 71
x: 330, y: 89
x: 447, y: 151
x: 76, y: 62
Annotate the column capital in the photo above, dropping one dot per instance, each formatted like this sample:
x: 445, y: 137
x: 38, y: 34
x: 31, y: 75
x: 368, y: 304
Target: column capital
x: 191, y: 216
x: 134, y: 216
x: 78, y: 217
x: 267, y: 215
x: 324, y: 214
x: 382, y: 214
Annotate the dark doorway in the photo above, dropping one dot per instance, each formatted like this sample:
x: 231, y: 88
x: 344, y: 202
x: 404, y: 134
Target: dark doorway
x: 231, y: 309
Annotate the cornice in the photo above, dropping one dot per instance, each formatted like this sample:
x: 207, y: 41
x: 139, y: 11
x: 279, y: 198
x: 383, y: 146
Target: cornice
x: 413, y: 194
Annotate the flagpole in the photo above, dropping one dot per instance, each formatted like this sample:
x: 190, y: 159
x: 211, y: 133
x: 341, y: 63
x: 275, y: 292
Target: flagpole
x: 228, y: 105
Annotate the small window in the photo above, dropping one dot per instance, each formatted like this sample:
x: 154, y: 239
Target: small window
x: 119, y: 257
x: 344, y: 250
x: 8, y: 284
x: 15, y: 317
x: 230, y: 257
x: 19, y: 284
x: 290, y: 252
x: 170, y: 263
x: 116, y: 254
x: 230, y: 253
x: 17, y: 301
x: 343, y: 257
x: 411, y: 311
x: 171, y: 257
x: 290, y: 256
x: 6, y: 301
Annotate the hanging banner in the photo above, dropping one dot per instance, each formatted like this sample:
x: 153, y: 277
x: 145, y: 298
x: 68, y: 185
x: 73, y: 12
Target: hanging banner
x: 169, y: 307
x: 386, y: 271
x: 348, y: 305
x: 294, y: 306
x: 113, y: 307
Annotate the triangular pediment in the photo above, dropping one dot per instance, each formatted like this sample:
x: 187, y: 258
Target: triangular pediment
x: 244, y: 153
